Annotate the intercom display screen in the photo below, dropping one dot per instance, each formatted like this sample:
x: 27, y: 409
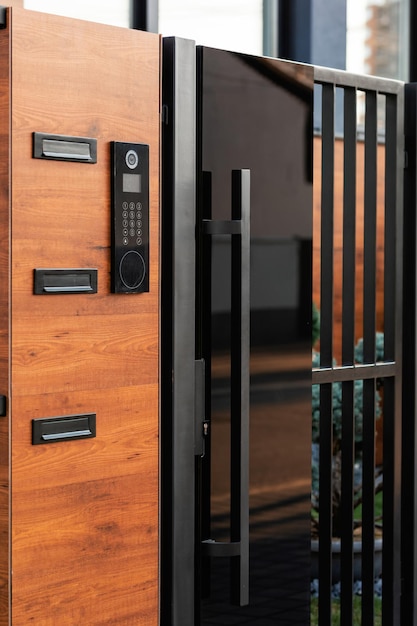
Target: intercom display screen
x: 132, y: 183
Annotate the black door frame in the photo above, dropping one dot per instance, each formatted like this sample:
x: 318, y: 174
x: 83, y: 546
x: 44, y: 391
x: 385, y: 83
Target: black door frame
x: 178, y: 402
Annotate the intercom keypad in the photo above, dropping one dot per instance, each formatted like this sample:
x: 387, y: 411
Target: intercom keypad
x: 130, y: 217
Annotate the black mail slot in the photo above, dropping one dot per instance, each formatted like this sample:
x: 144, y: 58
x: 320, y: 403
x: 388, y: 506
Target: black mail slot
x: 59, y: 281
x: 63, y: 428
x: 64, y: 148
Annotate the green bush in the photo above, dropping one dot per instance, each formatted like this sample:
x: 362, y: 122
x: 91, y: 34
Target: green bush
x: 315, y: 324
x: 379, y: 348
x: 337, y: 408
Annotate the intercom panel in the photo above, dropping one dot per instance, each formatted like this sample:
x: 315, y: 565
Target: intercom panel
x: 130, y: 217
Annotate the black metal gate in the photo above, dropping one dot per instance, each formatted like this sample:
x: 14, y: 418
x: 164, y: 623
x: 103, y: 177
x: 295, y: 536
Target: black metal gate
x: 367, y: 115
x: 364, y: 248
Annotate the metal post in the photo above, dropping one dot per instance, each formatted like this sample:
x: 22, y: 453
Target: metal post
x: 144, y: 15
x: 270, y: 28
x: 178, y: 333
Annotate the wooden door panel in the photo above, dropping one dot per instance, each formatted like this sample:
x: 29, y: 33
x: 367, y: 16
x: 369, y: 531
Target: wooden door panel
x: 84, y: 514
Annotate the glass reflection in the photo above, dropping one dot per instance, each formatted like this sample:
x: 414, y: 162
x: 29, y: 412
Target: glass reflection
x: 256, y: 114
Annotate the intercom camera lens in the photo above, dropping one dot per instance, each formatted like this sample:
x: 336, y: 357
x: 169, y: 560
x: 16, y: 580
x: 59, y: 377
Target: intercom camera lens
x: 132, y: 159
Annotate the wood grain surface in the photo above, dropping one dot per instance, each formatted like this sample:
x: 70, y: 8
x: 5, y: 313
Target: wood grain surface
x: 4, y: 324
x: 84, y: 534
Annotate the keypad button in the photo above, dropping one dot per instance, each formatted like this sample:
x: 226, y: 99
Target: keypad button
x: 125, y: 241
x: 131, y: 205
x: 125, y: 214
x: 139, y: 205
x: 139, y: 241
x: 125, y: 223
x: 124, y: 205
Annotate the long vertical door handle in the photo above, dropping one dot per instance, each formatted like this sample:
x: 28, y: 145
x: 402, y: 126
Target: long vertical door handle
x: 239, y: 229
x: 240, y: 335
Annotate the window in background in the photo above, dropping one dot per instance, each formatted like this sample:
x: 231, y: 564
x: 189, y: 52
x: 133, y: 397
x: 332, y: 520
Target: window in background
x: 377, y: 38
x: 228, y: 24
x: 115, y: 12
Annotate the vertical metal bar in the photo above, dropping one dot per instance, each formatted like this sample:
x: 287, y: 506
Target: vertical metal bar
x: 325, y: 504
x: 390, y: 219
x: 368, y: 504
x: 240, y: 387
x: 349, y: 226
x: 178, y: 333
x: 204, y: 287
x: 369, y: 315
x: 409, y: 358
x: 348, y: 339
x: 326, y: 352
x: 391, y: 545
x: 346, y: 523
x: 369, y: 244
x: 392, y: 342
x: 327, y: 219
x: 398, y: 144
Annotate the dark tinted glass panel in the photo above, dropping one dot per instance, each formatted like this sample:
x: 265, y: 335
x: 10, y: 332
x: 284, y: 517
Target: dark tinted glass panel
x: 256, y: 113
